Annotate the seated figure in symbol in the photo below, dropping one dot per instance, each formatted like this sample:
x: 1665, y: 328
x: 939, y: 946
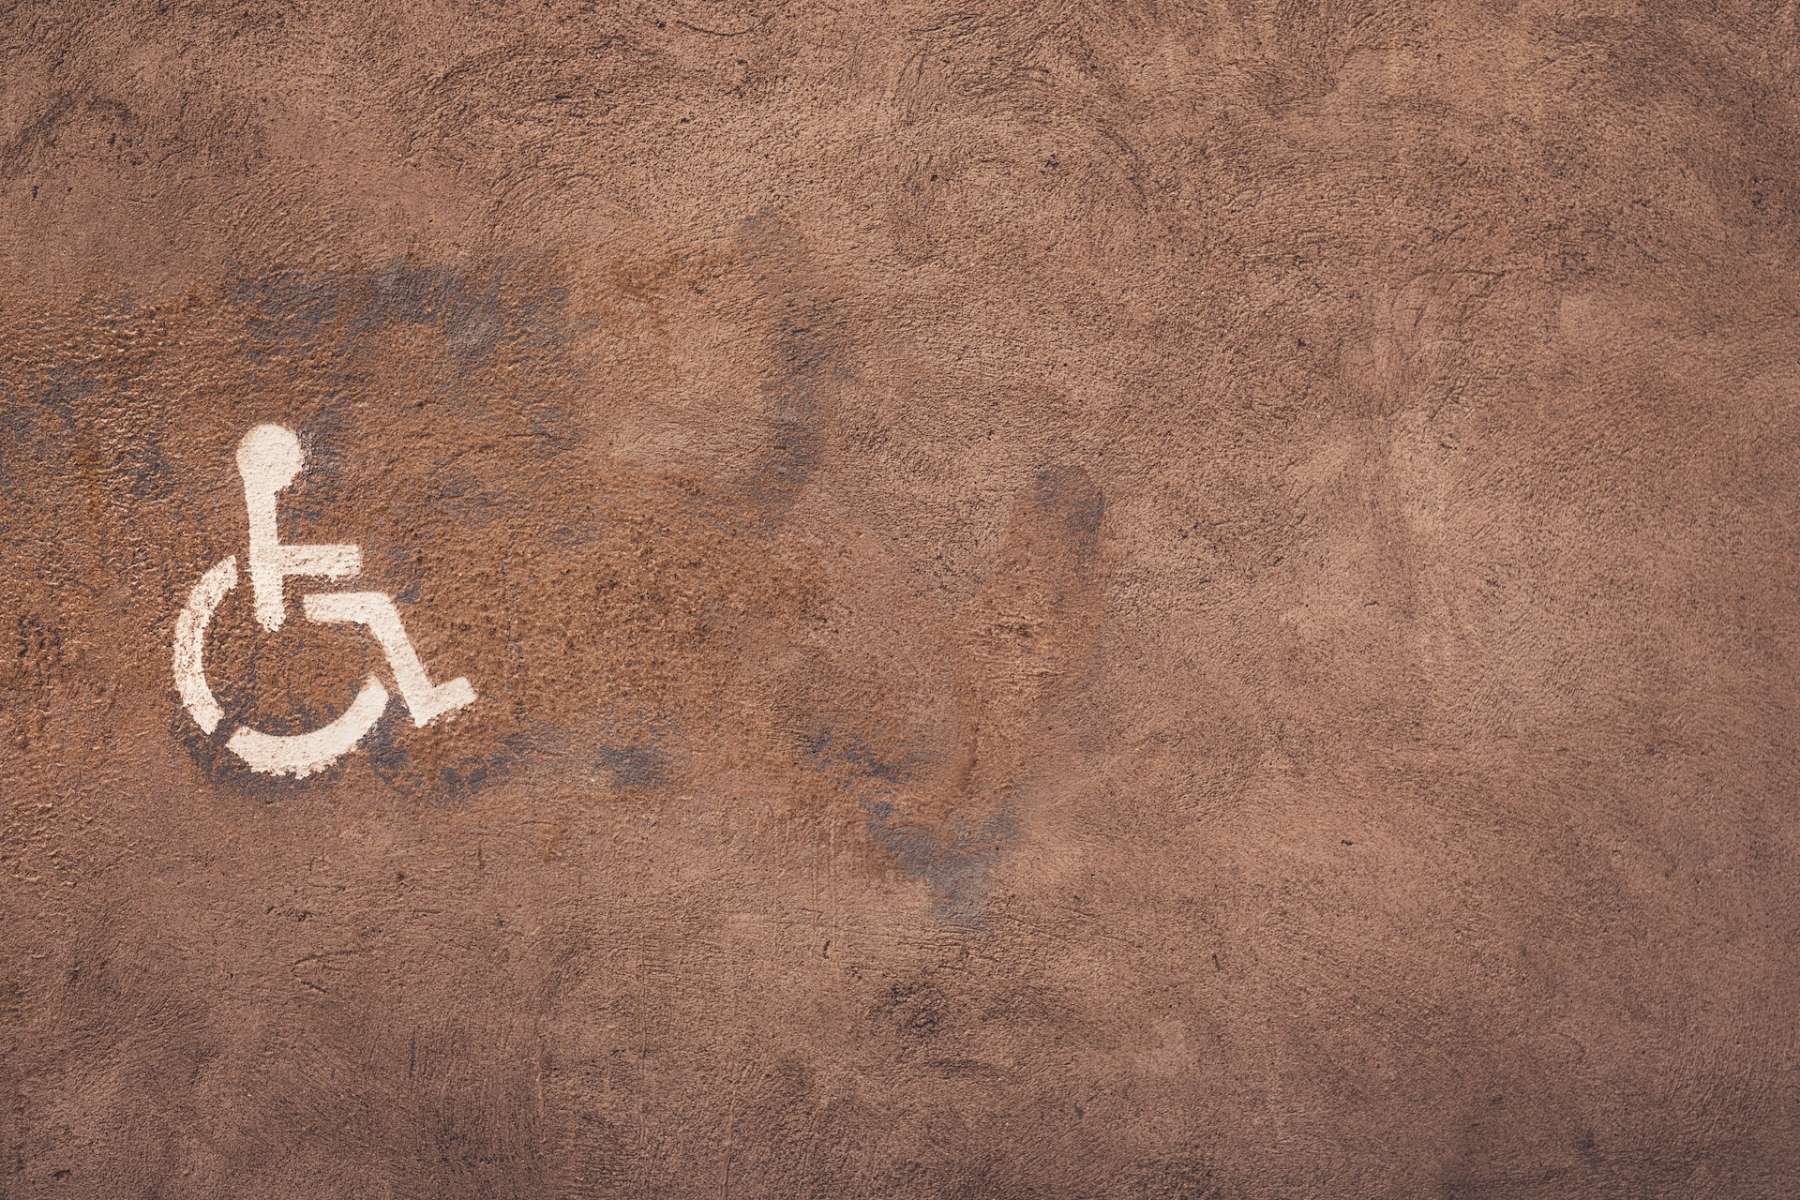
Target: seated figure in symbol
x: 269, y: 458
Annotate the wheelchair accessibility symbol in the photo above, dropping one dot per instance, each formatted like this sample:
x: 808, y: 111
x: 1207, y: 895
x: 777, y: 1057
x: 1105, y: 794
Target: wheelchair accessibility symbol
x: 269, y: 458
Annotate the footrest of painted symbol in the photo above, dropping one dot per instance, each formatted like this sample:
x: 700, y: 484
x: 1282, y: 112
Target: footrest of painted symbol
x: 425, y: 700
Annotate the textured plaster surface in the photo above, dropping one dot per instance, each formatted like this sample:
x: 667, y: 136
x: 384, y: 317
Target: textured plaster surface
x: 1133, y: 600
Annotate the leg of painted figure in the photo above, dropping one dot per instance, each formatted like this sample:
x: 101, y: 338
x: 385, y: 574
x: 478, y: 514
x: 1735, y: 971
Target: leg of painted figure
x: 426, y: 700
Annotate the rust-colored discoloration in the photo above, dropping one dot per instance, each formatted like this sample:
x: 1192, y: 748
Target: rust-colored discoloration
x: 1067, y: 600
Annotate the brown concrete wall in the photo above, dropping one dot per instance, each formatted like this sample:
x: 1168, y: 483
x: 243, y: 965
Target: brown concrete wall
x: 1069, y: 600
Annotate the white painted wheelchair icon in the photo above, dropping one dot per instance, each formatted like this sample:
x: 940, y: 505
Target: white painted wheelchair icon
x: 269, y: 458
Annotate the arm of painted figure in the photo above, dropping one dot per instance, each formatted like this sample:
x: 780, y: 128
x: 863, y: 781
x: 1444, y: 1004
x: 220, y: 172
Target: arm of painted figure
x: 269, y: 458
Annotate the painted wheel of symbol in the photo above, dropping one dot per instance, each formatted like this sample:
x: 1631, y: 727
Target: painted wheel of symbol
x: 299, y: 754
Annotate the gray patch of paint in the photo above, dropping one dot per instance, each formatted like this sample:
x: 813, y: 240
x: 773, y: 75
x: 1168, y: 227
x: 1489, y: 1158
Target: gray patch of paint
x: 290, y: 306
x: 17, y: 424
x: 955, y: 863
x: 827, y: 750
x: 553, y: 428
x: 26, y: 419
x: 43, y: 131
x: 40, y: 130
x: 461, y: 495
x: 62, y: 388
x: 292, y: 310
x: 408, y: 294
x: 917, y: 1010
x: 805, y: 340
x: 635, y: 766
x: 453, y: 783
x: 1070, y: 492
x: 399, y: 562
x: 142, y: 462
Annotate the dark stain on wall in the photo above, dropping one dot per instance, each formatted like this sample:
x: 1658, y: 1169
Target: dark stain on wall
x: 635, y: 766
x: 955, y: 863
x: 805, y: 343
x: 294, y: 309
